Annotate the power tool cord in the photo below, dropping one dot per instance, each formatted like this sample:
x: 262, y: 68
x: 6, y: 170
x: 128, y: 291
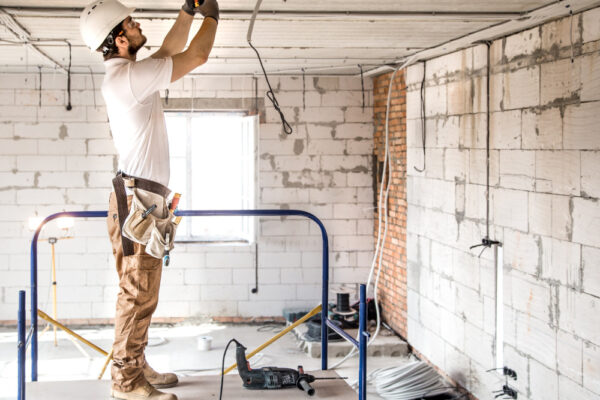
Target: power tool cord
x: 270, y: 94
x: 223, y: 366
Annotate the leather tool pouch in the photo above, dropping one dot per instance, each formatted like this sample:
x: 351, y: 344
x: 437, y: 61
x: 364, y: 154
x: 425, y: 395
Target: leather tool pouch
x: 150, y: 223
x: 142, y: 227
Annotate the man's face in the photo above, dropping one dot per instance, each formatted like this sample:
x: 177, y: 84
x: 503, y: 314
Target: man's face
x: 133, y: 33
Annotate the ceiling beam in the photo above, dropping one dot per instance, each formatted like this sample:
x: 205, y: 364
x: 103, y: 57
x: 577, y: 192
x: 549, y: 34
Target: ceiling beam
x: 21, y: 35
x: 247, y: 14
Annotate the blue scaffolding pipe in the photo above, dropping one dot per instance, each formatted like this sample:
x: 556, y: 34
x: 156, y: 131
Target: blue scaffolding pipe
x: 21, y: 348
x: 341, y: 332
x: 325, y: 321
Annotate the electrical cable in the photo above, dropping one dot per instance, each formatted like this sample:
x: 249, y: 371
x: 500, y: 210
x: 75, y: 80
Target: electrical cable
x: 223, y: 366
x: 275, y: 328
x: 486, y: 242
x: 377, y: 257
x: 256, y: 361
x: 69, y: 106
x: 571, y: 34
x: 270, y: 94
x: 423, y: 122
x: 410, y: 381
x: 362, y: 84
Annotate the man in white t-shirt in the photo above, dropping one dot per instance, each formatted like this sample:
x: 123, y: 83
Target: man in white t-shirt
x: 131, y: 92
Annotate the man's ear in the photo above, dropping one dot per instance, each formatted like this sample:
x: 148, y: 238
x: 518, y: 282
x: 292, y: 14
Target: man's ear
x: 122, y: 42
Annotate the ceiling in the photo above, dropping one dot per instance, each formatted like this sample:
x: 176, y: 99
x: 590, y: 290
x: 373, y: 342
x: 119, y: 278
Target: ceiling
x: 321, y: 36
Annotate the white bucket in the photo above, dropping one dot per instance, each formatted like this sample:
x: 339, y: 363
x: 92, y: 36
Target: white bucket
x: 204, y: 343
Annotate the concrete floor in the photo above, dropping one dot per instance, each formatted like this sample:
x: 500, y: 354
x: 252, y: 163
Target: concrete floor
x: 171, y: 348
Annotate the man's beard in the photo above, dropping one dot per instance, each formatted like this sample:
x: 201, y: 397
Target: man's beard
x: 133, y: 48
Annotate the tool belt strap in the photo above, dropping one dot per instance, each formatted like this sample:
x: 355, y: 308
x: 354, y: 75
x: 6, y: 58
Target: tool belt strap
x: 119, y: 183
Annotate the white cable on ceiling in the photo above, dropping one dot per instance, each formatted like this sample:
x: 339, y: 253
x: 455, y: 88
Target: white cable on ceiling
x: 252, y: 20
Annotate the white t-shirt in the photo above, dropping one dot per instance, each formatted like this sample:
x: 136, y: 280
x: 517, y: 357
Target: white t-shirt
x: 137, y: 122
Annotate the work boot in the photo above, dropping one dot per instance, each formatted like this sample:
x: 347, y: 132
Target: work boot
x: 143, y: 392
x: 159, y: 381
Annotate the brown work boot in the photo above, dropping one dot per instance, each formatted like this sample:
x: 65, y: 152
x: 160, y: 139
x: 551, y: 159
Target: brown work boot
x: 143, y: 392
x: 160, y: 381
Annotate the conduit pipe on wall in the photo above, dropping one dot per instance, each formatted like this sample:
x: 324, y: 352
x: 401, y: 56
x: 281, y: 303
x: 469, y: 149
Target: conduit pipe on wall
x: 486, y: 242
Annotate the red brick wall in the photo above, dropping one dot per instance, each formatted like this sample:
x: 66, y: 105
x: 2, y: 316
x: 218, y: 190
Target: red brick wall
x: 392, y: 283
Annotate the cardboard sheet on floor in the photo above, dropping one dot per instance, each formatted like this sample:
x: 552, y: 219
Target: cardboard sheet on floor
x: 194, y: 388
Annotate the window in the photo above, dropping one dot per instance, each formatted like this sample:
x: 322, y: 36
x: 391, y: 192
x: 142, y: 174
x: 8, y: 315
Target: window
x: 213, y: 164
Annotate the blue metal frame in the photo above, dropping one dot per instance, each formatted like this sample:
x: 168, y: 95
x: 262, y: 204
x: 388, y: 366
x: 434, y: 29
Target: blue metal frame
x: 325, y: 321
x: 21, y: 345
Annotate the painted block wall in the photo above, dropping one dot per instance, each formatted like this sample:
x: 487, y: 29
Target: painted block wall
x: 54, y: 160
x: 544, y: 208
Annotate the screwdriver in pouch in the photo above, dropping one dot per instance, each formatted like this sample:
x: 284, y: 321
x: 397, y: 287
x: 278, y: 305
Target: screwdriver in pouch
x: 148, y: 211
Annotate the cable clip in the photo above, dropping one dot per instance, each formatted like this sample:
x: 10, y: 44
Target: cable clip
x: 507, y: 391
x: 509, y: 373
x: 486, y: 242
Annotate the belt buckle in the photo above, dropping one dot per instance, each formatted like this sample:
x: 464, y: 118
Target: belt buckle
x: 129, y: 182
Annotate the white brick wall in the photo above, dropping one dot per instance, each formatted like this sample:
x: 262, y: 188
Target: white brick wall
x: 545, y: 209
x: 54, y: 160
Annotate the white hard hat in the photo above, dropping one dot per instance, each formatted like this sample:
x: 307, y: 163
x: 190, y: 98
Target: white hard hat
x: 99, y: 18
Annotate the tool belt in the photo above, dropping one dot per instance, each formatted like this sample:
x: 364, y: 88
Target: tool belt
x: 149, y: 221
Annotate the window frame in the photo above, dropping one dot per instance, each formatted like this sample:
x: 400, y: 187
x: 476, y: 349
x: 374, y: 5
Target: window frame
x: 252, y: 122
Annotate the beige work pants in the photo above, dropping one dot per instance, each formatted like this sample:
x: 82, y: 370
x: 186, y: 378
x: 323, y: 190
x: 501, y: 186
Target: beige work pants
x: 139, y: 283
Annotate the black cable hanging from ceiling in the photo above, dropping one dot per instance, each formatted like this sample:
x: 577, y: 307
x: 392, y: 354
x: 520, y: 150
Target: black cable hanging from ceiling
x: 423, y: 122
x: 362, y: 85
x: 270, y: 94
x: 69, y: 107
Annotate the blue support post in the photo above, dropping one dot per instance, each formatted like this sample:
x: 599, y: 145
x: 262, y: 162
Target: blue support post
x: 324, y: 302
x: 362, y: 348
x: 21, y: 346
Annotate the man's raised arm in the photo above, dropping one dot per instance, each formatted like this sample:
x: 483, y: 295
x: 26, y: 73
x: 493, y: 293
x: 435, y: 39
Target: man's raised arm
x: 199, y: 49
x: 177, y: 37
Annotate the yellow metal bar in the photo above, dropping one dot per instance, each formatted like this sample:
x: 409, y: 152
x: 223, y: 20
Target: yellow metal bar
x: 108, y: 358
x: 314, y: 311
x: 45, y: 316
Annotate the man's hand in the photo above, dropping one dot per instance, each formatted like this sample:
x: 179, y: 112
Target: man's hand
x: 188, y: 7
x: 209, y: 8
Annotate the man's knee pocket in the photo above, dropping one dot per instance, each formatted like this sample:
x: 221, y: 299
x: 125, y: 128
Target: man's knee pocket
x: 141, y: 276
